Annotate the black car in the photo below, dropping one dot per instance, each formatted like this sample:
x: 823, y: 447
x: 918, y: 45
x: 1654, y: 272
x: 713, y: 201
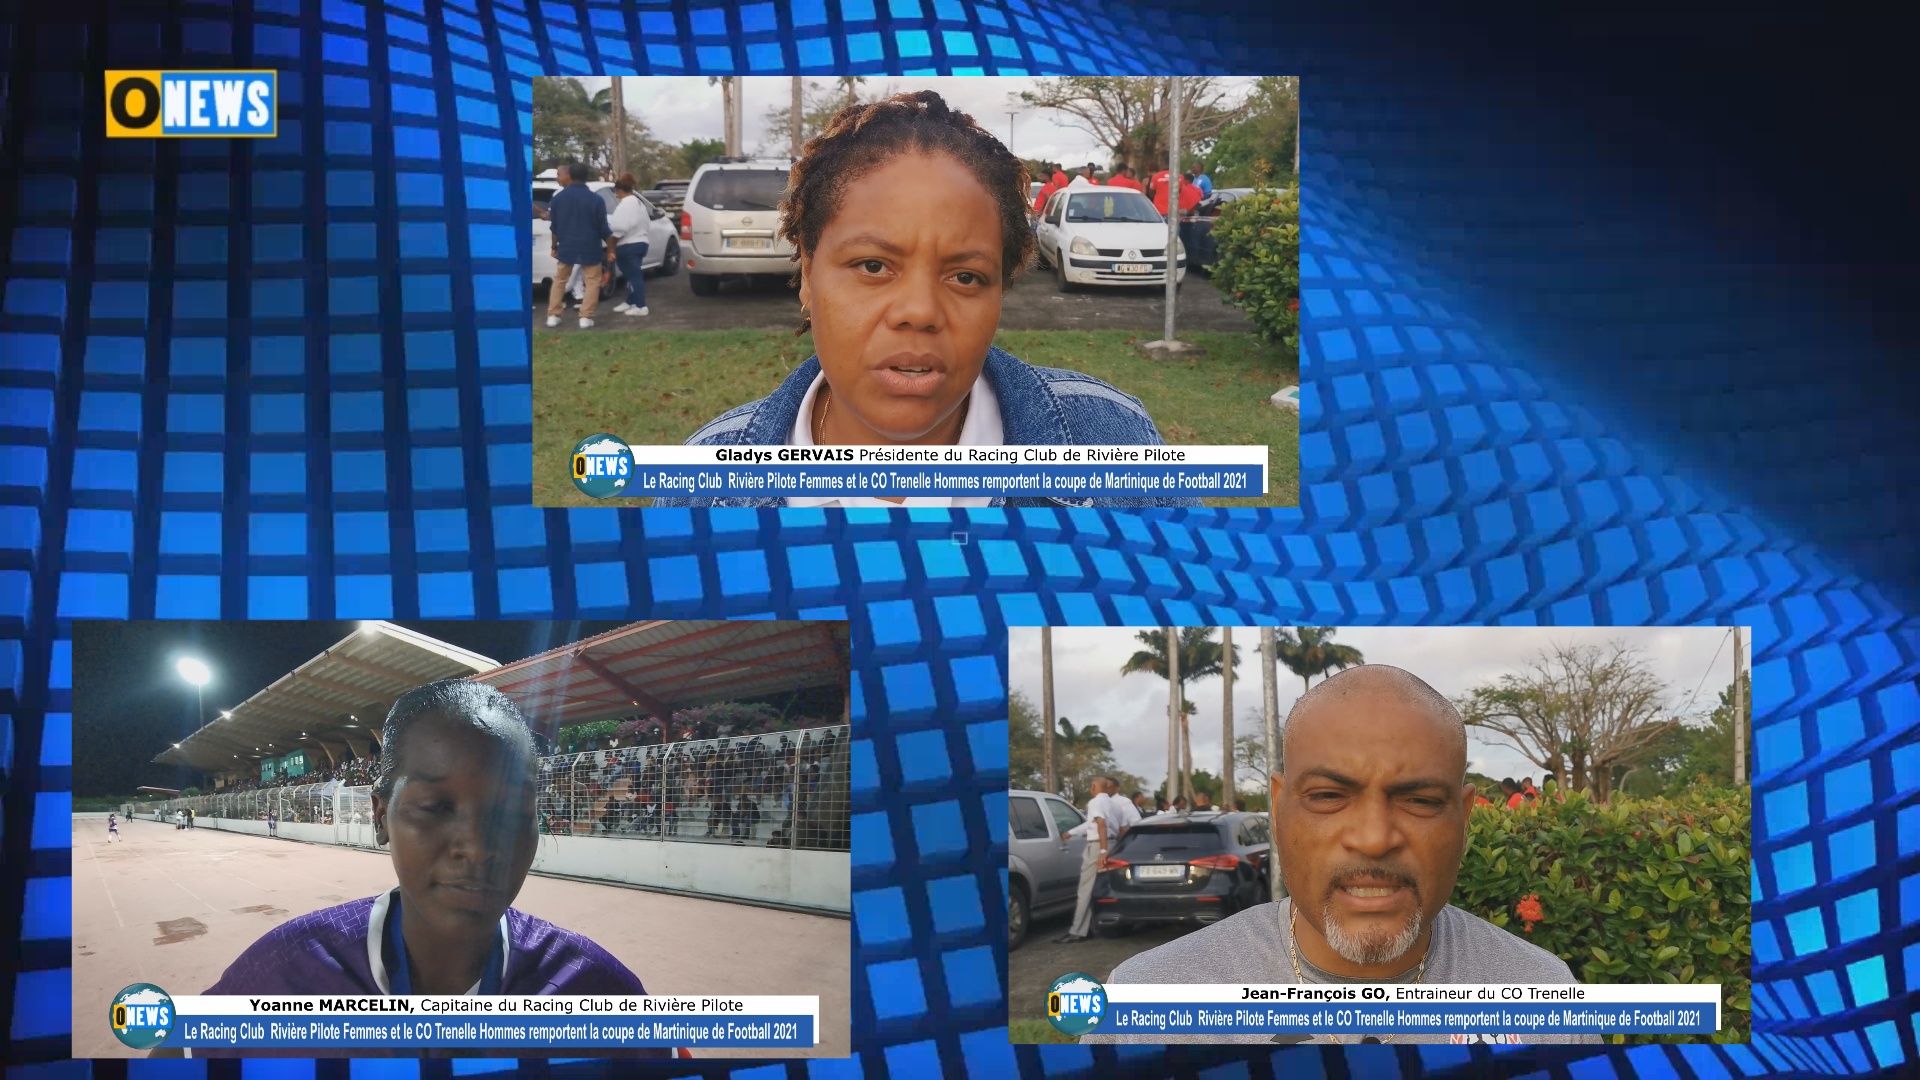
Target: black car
x: 1197, y: 867
x: 668, y: 199
x: 1196, y: 229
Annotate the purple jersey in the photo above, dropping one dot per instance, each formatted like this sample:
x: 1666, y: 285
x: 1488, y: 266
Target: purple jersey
x: 337, y: 950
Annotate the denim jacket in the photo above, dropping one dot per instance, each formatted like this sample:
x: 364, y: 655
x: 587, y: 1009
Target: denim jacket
x: 1038, y: 407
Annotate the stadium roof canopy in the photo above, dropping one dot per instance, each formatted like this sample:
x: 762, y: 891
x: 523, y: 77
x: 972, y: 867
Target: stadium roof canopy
x: 655, y: 668
x: 343, y: 693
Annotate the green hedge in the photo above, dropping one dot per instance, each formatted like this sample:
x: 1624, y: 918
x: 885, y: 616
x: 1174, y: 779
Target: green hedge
x: 1642, y: 890
x: 1258, y: 239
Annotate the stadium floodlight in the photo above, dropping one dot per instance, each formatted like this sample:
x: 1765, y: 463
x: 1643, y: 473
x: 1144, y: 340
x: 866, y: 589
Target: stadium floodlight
x: 199, y: 675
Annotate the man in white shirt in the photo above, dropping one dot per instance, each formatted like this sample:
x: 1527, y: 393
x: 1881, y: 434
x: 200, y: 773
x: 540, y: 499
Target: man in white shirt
x: 1108, y: 816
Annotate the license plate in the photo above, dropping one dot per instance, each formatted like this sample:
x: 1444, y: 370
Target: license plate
x: 1133, y: 268
x: 1160, y: 873
x: 760, y: 242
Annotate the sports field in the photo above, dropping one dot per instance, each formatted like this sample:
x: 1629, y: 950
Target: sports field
x: 174, y: 907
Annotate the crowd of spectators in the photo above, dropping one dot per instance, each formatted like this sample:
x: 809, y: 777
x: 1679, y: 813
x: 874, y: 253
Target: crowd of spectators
x: 784, y: 788
x: 354, y: 772
x: 720, y: 790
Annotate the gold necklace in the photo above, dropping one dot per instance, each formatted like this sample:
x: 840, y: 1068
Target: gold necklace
x: 826, y: 393
x: 1293, y: 953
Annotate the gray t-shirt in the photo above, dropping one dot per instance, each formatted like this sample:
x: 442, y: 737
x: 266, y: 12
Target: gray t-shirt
x: 1251, y: 947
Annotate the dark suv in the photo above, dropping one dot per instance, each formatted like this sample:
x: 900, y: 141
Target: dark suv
x: 1196, y: 868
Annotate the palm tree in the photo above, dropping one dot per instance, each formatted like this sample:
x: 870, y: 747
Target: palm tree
x: 849, y: 88
x: 1310, y: 650
x: 1187, y: 711
x: 1200, y: 655
x: 1089, y: 737
x: 1200, y: 658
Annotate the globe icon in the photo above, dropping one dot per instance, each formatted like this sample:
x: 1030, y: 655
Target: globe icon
x: 602, y: 466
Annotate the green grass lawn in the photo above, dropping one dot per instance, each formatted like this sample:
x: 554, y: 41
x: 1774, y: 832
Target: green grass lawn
x: 1035, y: 1031
x: 658, y: 388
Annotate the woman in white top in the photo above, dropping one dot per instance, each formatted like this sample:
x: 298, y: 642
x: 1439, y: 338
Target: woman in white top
x: 629, y: 222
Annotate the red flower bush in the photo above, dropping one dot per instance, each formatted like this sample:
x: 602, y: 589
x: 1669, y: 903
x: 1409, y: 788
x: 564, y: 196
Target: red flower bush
x: 1529, y: 910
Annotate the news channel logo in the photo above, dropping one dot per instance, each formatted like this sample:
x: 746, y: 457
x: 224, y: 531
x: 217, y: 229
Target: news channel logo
x: 141, y: 1015
x: 240, y: 104
x: 1075, y: 1004
x: 602, y: 465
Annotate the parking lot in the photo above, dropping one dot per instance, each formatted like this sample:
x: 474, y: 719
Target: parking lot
x: 1034, y: 303
x: 1033, y: 967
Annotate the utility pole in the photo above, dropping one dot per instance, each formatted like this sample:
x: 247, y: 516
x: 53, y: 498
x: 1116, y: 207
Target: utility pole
x: 619, y: 129
x: 1739, y: 712
x: 739, y: 114
x: 1046, y: 705
x: 797, y: 118
x: 730, y: 104
x: 1169, y: 346
x: 1173, y: 202
x: 1227, y: 787
x: 1173, y: 714
x: 1010, y: 116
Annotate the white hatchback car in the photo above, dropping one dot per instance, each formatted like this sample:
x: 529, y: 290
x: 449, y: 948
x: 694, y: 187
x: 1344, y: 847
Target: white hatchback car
x: 1092, y: 234
x: 663, y: 245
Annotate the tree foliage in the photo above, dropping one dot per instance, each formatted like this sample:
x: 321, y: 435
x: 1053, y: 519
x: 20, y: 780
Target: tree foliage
x: 1079, y: 753
x: 1257, y: 150
x: 1200, y: 655
x: 1634, y: 891
x: 819, y: 104
x: 1258, y: 268
x: 570, y: 124
x: 1130, y: 115
x: 1588, y: 713
x: 1697, y: 751
x: 1310, y: 650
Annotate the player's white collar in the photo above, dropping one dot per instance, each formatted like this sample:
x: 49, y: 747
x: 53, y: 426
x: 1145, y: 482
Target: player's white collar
x: 377, y: 933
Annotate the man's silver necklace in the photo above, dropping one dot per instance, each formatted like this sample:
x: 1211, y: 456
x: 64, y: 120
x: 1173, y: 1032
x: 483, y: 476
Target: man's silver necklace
x: 1293, y: 953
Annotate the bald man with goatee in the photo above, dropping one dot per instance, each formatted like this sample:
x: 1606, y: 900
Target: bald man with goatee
x: 1369, y: 824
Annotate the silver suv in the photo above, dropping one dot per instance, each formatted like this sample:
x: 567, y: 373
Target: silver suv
x: 1043, y: 863
x: 730, y: 222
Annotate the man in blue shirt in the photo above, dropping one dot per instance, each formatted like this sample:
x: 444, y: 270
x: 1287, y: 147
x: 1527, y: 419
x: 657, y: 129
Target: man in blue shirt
x: 581, y: 237
x: 1197, y: 176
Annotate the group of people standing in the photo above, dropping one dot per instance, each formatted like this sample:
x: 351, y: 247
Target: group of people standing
x: 1195, y: 186
x: 1517, y: 793
x: 588, y: 240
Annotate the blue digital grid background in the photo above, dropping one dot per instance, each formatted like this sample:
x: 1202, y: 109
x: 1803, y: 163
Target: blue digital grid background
x: 289, y: 379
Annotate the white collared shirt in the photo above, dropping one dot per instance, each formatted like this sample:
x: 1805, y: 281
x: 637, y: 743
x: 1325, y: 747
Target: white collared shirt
x: 981, y: 428
x: 1116, y: 812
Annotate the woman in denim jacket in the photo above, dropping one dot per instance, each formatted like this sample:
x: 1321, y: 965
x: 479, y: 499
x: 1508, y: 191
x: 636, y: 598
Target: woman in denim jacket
x: 908, y: 221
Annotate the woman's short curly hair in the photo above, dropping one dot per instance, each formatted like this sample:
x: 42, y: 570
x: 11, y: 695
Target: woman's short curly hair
x: 861, y: 138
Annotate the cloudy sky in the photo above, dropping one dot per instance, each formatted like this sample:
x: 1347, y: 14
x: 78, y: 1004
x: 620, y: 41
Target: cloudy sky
x: 679, y: 108
x: 1132, y: 711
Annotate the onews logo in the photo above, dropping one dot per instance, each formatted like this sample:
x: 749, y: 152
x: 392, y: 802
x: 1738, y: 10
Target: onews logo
x: 188, y: 104
x: 141, y: 1015
x: 1075, y: 1004
x: 602, y: 465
